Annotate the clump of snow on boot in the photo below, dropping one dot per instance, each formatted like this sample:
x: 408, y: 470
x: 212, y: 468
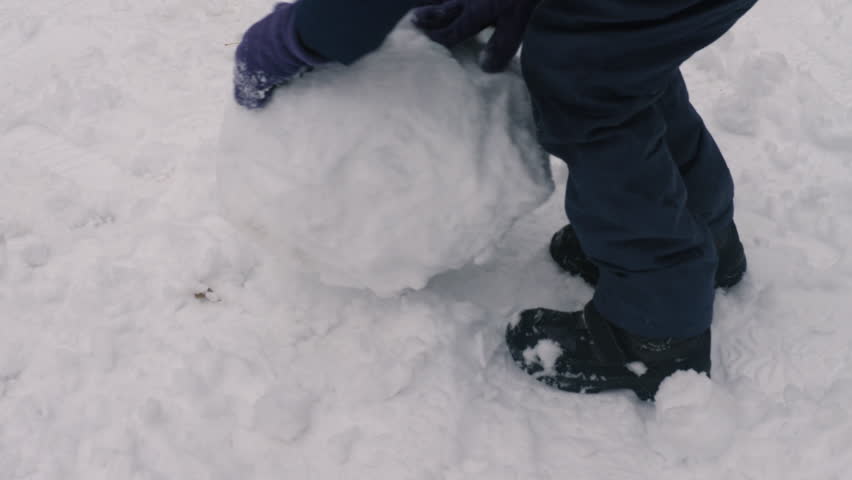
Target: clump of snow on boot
x: 381, y: 175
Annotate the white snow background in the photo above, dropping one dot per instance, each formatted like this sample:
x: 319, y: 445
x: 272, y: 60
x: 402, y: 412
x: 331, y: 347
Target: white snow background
x: 111, y: 368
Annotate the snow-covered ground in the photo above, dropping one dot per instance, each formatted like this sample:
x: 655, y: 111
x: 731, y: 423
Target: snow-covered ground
x: 116, y: 362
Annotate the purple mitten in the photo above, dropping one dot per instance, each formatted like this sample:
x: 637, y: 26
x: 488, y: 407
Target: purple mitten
x: 270, y: 55
x: 450, y: 22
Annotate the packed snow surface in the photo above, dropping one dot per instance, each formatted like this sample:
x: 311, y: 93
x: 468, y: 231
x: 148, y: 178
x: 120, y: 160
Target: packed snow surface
x: 381, y: 175
x: 143, y: 337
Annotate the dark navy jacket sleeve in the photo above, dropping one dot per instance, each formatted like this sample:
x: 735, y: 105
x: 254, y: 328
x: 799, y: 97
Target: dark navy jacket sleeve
x: 346, y: 30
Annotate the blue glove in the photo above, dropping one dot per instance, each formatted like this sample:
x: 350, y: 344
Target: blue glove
x: 270, y: 55
x: 450, y: 22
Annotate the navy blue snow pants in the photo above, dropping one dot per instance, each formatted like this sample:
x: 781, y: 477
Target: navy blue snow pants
x: 648, y: 189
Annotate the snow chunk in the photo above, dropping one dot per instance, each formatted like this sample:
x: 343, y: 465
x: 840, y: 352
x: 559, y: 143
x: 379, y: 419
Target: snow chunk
x: 383, y: 174
x: 545, y: 353
x: 695, y: 418
x: 637, y: 368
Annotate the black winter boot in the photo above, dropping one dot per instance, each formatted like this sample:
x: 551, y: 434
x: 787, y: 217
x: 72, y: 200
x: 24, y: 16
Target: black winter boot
x: 567, y: 253
x: 582, y: 352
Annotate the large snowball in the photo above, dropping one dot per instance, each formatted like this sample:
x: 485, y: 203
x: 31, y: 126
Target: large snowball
x: 407, y: 164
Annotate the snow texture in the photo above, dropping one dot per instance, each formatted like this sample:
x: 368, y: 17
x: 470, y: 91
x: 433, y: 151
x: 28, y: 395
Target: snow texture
x: 407, y: 164
x: 118, y: 362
